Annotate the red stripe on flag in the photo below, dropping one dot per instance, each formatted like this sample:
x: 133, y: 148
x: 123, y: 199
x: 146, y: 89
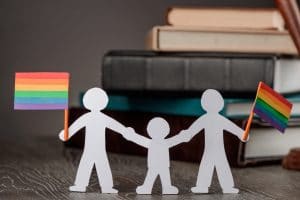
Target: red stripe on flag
x: 275, y: 94
x: 42, y: 75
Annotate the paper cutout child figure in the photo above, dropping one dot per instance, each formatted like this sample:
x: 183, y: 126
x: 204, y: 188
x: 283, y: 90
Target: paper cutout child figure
x: 158, y: 154
x: 214, y: 153
x: 94, y: 153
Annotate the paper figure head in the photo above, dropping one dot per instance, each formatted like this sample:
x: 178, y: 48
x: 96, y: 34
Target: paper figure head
x: 212, y: 101
x: 158, y: 128
x: 95, y: 99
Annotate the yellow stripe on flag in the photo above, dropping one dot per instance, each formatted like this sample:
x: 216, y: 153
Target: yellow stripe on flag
x: 41, y: 87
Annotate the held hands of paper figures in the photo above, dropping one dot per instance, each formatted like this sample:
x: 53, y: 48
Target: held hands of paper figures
x: 184, y: 136
x: 129, y: 134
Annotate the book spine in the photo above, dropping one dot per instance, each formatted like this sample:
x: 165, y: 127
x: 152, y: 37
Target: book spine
x: 186, y: 74
x: 152, y: 39
x: 193, y: 16
x: 201, y: 39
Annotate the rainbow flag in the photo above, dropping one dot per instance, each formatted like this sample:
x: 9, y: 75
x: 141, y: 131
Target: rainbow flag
x: 272, y: 107
x: 41, y: 90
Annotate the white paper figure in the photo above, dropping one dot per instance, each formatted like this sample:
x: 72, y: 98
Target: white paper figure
x: 214, y: 153
x: 158, y: 154
x: 94, y: 153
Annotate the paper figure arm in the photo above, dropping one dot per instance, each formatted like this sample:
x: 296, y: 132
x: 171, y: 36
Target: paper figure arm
x: 132, y: 136
x: 234, y: 129
x: 183, y: 136
x: 115, y: 126
x: 196, y: 127
x: 75, y: 127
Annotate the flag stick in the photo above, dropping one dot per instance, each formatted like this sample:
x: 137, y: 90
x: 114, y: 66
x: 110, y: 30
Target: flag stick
x: 246, y: 133
x: 247, y: 129
x: 66, y: 125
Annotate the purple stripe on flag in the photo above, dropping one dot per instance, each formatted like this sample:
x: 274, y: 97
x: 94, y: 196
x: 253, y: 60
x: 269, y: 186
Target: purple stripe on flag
x: 40, y: 106
x: 269, y: 119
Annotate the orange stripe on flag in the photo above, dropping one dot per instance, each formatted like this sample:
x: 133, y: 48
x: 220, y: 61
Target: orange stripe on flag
x: 275, y: 94
x: 22, y: 81
x: 42, y: 75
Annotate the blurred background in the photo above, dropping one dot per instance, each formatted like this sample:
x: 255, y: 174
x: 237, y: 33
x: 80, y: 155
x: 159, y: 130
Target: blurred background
x: 72, y: 36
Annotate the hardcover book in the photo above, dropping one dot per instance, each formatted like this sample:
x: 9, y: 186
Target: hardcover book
x: 237, y: 108
x: 191, y: 73
x: 183, y: 38
x: 235, y: 18
x: 267, y: 145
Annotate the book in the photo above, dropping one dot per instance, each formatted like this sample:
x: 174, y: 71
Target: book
x: 266, y: 145
x: 186, y: 73
x: 240, y: 108
x: 184, y: 106
x: 183, y: 38
x: 290, y: 12
x: 235, y: 18
x: 237, y: 108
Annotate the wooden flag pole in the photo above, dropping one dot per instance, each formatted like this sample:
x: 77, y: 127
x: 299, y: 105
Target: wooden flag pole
x: 246, y: 133
x: 247, y: 129
x: 66, y: 125
x: 66, y: 118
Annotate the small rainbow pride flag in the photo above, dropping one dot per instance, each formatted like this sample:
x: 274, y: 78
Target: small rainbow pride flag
x: 41, y: 90
x: 272, y: 107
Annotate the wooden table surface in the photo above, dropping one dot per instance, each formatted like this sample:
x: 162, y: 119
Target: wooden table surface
x: 40, y: 167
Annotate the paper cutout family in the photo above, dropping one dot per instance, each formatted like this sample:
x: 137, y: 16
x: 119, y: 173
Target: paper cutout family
x: 49, y: 91
x: 94, y: 153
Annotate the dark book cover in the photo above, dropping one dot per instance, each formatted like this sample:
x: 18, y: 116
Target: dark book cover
x: 148, y: 72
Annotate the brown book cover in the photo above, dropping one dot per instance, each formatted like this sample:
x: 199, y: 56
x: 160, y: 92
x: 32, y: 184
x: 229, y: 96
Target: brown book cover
x: 235, y: 18
x: 290, y: 12
x: 180, y: 38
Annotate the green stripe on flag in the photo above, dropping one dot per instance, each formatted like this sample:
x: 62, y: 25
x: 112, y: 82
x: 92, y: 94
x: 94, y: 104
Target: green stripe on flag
x: 58, y: 94
x: 272, y: 112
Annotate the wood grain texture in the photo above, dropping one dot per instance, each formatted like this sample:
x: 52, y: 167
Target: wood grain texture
x: 40, y: 167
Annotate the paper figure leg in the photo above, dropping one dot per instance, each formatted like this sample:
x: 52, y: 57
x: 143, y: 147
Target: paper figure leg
x: 205, y: 174
x: 146, y: 188
x: 167, y: 187
x: 225, y: 175
x: 105, y: 175
x: 83, y: 174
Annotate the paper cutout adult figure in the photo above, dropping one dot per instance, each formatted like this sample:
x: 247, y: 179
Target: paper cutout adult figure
x: 94, y: 153
x: 214, y: 155
x: 158, y: 154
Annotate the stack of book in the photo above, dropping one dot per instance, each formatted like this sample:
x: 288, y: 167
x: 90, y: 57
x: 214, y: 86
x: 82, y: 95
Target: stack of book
x: 227, y: 49
x: 223, y: 30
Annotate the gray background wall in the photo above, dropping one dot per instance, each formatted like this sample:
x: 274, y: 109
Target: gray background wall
x: 73, y: 35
